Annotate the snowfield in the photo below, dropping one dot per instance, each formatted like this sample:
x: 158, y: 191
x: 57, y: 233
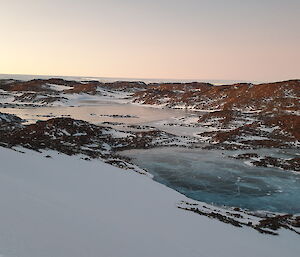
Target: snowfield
x: 67, y: 207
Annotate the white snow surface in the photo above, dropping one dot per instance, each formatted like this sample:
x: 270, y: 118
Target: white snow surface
x: 67, y: 207
x: 57, y: 87
x: 87, y: 99
x: 117, y: 134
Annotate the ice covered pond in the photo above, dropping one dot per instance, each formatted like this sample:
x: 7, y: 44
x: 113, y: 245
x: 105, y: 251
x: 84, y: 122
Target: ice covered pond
x: 98, y: 112
x: 211, y: 177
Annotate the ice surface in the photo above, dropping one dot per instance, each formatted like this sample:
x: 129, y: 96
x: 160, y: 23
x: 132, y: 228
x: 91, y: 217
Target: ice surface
x: 212, y: 177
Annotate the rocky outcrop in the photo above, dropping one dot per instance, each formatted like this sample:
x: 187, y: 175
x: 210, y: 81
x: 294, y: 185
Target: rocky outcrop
x: 239, y: 116
x: 279, y: 131
x: 71, y: 137
x: 9, y: 118
x: 35, y: 85
x: 247, y: 97
x: 90, y: 87
x: 265, y: 223
x: 42, y: 98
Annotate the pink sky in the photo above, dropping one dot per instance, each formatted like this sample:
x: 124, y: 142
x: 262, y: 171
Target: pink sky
x: 238, y: 40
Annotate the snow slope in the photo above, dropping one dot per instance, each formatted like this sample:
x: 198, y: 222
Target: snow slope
x: 67, y: 207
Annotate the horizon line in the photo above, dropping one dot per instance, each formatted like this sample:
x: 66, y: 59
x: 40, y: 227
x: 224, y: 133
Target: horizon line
x: 143, y: 79
x: 150, y: 80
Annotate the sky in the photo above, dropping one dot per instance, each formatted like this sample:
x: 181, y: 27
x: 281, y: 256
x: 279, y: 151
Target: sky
x: 254, y: 40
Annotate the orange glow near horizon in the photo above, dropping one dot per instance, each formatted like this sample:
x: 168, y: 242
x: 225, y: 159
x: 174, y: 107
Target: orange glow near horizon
x: 159, y: 39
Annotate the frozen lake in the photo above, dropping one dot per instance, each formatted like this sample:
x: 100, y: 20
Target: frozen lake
x: 211, y: 177
x: 98, y: 112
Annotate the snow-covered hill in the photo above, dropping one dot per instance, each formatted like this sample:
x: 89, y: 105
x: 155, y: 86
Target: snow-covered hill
x: 67, y: 207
